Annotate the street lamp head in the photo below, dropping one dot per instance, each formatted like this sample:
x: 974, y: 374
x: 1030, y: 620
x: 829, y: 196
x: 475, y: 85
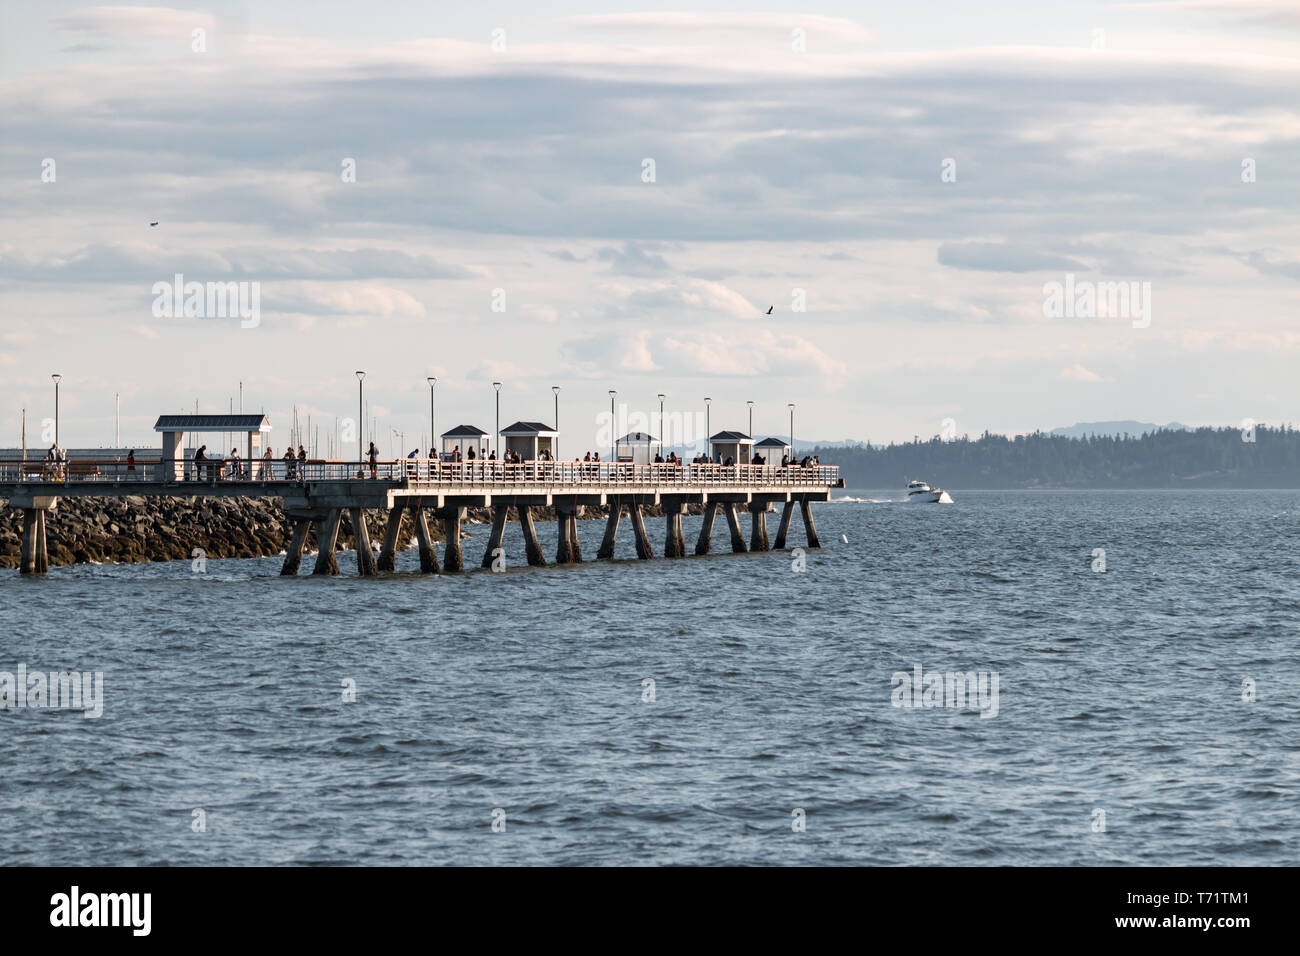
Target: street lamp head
x: 555, y: 389
x: 662, y: 396
x: 432, y: 380
x: 791, y: 405
x: 57, y: 378
x: 750, y: 404
x: 612, y: 393
x: 707, y: 400
x: 497, y: 386
x: 360, y: 376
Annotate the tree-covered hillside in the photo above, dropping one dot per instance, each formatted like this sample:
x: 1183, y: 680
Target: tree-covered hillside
x: 1203, y: 457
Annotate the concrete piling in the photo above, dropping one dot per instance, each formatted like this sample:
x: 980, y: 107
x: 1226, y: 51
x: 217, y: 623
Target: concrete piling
x: 737, y: 538
x: 784, y: 527
x: 497, y: 535
x: 361, y: 535
x: 806, y: 512
x: 42, y: 551
x: 643, y: 550
x: 428, y: 555
x: 327, y: 536
x: 574, y: 543
x: 564, y: 542
x: 758, y: 534
x: 611, y: 532
x: 392, y: 531
x: 674, y: 544
x: 453, y: 558
x: 532, y: 546
x: 705, y: 540
x: 293, y: 557
x: 27, y: 549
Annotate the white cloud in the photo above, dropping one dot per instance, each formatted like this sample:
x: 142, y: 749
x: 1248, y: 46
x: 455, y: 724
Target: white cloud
x: 1077, y: 373
x: 129, y: 21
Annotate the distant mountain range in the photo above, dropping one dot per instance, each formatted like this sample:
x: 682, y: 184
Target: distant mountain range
x: 1116, y: 429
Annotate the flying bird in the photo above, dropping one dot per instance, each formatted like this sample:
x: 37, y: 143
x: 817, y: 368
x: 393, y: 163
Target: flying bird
x: 769, y: 310
x: 153, y: 223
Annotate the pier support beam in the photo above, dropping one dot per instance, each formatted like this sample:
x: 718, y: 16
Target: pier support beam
x: 643, y: 550
x: 392, y: 531
x: 428, y: 556
x: 293, y: 557
x: 805, y: 511
x: 573, y: 537
x: 495, y: 539
x: 453, y: 558
x: 361, y: 535
x: 532, y: 546
x: 27, y: 549
x: 784, y: 528
x: 42, y: 552
x: 611, y: 532
x: 674, y: 545
x: 705, y: 539
x: 758, y: 534
x: 327, y: 536
x: 564, y: 544
x: 737, y: 538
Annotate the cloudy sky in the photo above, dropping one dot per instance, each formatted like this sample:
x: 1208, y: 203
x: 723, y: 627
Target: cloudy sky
x: 501, y: 225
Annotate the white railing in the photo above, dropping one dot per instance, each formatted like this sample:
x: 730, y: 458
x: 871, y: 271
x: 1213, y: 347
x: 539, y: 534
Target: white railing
x: 420, y: 471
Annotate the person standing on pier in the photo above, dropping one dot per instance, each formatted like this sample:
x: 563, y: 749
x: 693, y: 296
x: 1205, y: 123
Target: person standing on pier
x: 200, y: 456
x: 267, y: 458
x: 130, y: 464
x: 289, y: 464
x: 373, y: 456
x: 234, y: 464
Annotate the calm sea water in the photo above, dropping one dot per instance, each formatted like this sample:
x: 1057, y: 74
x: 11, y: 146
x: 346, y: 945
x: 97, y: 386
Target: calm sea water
x: 523, y: 692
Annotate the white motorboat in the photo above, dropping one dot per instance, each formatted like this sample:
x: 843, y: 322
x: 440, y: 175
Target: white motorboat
x: 920, y: 491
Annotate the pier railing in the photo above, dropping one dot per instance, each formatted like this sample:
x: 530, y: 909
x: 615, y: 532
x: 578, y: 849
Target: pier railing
x: 420, y: 470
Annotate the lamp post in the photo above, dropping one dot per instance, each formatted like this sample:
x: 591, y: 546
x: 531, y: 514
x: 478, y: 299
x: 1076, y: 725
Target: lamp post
x: 708, y: 429
x: 792, y: 430
x: 433, y: 432
x: 612, y: 433
x: 555, y: 452
x: 497, y: 386
x: 57, y: 379
x: 661, y: 424
x: 751, y: 418
x: 360, y: 414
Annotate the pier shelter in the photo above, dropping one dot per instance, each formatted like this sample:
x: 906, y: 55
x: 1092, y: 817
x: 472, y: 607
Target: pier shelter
x: 773, y: 449
x: 530, y: 439
x: 636, y: 447
x: 175, y: 427
x: 735, y: 445
x: 465, y: 437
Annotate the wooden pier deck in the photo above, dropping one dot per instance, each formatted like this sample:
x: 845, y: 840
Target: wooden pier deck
x: 321, y: 493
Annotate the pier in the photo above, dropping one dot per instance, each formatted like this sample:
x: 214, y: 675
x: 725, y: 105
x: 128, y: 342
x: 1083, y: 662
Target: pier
x: 331, y: 495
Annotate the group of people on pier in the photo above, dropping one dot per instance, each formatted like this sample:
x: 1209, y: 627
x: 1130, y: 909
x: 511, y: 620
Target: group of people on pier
x: 293, y: 464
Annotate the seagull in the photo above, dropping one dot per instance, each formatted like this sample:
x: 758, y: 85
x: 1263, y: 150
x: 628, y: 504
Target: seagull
x: 153, y: 223
x: 769, y: 310
x: 844, y: 538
